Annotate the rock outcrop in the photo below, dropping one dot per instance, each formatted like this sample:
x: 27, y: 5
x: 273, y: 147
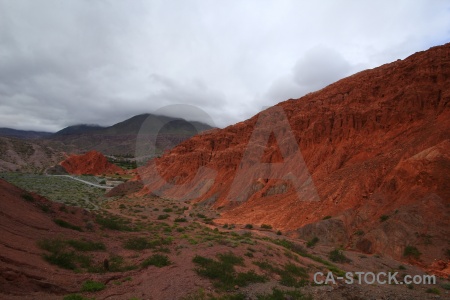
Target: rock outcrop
x: 375, y: 147
x: 92, y: 162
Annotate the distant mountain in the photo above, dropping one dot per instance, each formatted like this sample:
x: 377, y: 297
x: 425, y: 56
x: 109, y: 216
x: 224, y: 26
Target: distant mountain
x: 78, y: 129
x: 120, y: 138
x: 23, y: 134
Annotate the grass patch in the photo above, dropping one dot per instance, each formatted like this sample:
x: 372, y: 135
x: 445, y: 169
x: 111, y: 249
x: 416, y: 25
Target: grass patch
x: 434, y: 290
x: 92, y: 286
x: 66, y: 224
x: 83, y: 245
x: 157, y: 260
x: 223, y: 273
x: 114, y: 223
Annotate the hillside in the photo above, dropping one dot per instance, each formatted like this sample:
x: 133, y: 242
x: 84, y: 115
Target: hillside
x: 28, y: 155
x: 376, y: 145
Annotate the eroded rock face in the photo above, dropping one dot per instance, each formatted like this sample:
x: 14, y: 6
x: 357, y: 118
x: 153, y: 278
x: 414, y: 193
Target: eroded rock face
x: 92, y: 162
x: 375, y: 143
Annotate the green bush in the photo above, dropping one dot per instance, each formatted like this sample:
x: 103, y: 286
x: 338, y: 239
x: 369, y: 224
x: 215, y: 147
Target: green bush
x: 92, y: 286
x: 279, y: 232
x: 180, y: 220
x: 167, y: 210
x: 157, y: 260
x: 326, y: 218
x: 312, y: 242
x: 266, y: 226
x: 411, y: 251
x: 122, y: 206
x: 28, y: 197
x: 66, y: 224
x: 338, y: 256
x: 384, y: 218
x: 249, y: 226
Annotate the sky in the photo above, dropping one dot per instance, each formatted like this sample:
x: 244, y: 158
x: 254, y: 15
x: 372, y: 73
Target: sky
x: 101, y: 62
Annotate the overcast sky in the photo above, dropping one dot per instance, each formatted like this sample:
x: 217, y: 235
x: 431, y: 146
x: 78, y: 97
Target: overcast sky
x: 100, y: 62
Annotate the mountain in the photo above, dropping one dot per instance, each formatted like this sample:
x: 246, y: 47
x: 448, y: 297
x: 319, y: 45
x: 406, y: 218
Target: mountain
x: 376, y: 168
x: 77, y: 129
x: 23, y: 134
x: 120, y: 138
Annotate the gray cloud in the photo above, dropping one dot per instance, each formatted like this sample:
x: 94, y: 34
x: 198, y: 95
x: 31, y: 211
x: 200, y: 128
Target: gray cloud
x: 79, y: 61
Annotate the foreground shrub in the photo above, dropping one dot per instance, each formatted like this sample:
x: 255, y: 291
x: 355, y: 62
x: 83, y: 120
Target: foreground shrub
x: 157, y: 260
x: 411, y: 251
x: 338, y: 256
x: 92, y: 286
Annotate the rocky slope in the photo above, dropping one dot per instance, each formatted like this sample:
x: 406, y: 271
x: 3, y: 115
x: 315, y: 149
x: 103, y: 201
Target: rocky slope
x: 92, y: 162
x: 27, y: 156
x: 376, y: 148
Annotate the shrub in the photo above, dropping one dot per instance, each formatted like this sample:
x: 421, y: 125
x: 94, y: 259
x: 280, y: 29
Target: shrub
x: 434, y: 290
x: 326, y: 218
x: 167, y: 210
x: 113, y: 223
x: 279, y: 232
x: 137, y: 243
x: 180, y: 220
x: 249, y: 226
x: 445, y: 286
x: 66, y: 224
x: 223, y: 273
x: 312, y: 242
x: 266, y: 226
x: 411, y: 251
x: 157, y: 260
x: 122, y: 206
x: 384, y: 218
x: 338, y: 256
x: 92, y: 286
x: 28, y: 197
x: 103, y: 182
x: 163, y: 217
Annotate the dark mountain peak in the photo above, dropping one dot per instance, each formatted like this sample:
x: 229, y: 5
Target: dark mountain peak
x: 23, y: 134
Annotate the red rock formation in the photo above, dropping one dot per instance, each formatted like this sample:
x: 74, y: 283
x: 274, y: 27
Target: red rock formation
x: 92, y: 162
x: 375, y: 143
